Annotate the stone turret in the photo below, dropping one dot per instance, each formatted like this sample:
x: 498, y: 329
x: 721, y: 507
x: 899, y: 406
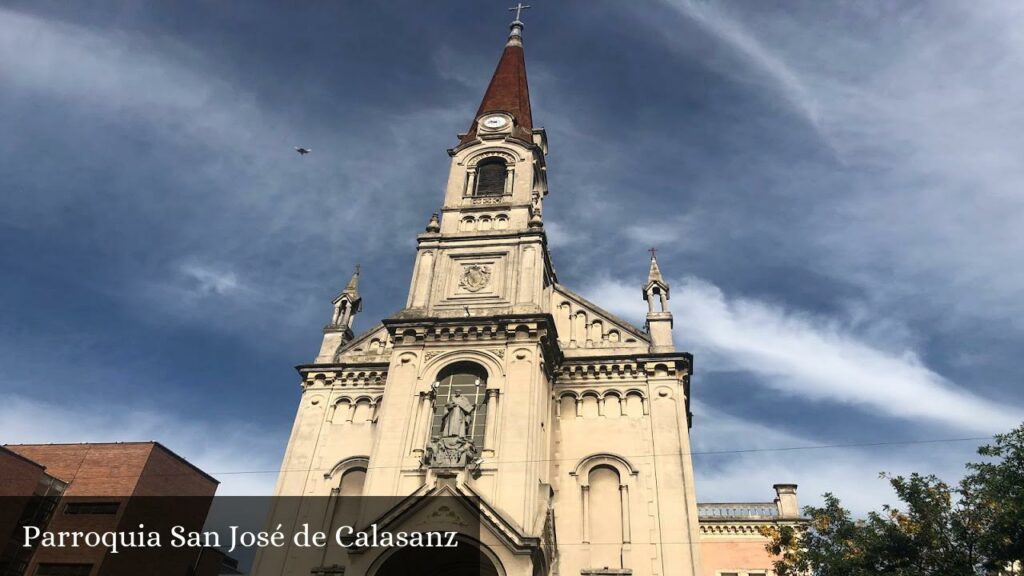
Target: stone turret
x: 659, y: 318
x: 346, y: 304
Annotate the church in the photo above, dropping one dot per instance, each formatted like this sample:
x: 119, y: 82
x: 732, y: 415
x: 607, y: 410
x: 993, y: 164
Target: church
x: 569, y: 428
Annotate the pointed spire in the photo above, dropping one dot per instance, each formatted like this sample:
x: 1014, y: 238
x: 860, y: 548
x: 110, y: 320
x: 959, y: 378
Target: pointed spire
x: 352, y: 288
x: 508, y: 91
x: 656, y: 289
x: 655, y: 273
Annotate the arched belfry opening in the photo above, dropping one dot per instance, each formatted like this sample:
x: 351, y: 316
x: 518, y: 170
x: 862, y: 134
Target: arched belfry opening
x: 492, y: 174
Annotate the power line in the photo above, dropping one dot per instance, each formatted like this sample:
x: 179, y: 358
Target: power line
x: 636, y: 456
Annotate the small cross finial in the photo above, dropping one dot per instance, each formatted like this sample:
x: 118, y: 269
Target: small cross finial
x: 652, y: 250
x: 357, y: 269
x: 518, y: 8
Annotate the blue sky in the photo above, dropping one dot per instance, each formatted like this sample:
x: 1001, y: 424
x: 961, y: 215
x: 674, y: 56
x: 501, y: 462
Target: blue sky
x: 834, y: 189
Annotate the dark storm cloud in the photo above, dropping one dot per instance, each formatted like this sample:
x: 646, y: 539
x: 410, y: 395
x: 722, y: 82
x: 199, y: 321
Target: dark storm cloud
x: 834, y: 190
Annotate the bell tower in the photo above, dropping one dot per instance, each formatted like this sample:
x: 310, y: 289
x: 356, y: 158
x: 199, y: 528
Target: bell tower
x: 476, y: 319
x: 487, y: 254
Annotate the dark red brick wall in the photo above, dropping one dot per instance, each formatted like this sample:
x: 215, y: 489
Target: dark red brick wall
x: 18, y: 476
x: 92, y: 469
x: 113, y: 472
x: 166, y: 474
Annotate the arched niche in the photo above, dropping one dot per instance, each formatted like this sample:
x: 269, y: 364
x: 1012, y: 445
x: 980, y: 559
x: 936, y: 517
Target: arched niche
x: 346, y: 479
x: 341, y: 410
x: 612, y: 404
x: 583, y: 467
x: 567, y: 405
x: 594, y: 475
x: 346, y: 464
x: 433, y: 367
x: 468, y: 380
x: 589, y: 405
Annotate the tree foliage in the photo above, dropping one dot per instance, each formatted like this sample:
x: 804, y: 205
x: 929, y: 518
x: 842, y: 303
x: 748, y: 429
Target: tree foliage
x: 973, y: 528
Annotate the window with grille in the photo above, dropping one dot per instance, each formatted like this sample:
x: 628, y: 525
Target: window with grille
x: 490, y: 177
x: 469, y: 380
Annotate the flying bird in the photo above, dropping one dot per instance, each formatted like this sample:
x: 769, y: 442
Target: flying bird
x: 302, y: 151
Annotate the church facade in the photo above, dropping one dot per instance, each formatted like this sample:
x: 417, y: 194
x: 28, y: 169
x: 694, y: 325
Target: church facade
x: 569, y: 426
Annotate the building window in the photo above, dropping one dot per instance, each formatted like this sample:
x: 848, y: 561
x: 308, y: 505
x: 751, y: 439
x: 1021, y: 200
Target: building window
x: 490, y: 177
x: 469, y: 381
x: 91, y: 508
x: 53, y: 569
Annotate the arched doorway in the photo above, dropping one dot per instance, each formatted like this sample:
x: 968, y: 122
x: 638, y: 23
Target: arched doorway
x: 466, y: 559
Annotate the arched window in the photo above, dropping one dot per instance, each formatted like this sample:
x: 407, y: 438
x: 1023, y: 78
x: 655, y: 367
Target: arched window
x: 490, y: 177
x: 469, y: 381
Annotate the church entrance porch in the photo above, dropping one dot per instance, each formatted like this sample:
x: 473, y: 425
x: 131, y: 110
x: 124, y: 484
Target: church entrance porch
x: 467, y: 559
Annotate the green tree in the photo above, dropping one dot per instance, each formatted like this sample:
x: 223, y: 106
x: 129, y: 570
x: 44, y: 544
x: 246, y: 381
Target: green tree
x: 996, y: 491
x: 975, y: 528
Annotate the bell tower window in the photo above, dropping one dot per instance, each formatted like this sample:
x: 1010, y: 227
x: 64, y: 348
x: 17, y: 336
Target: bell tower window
x: 491, y: 176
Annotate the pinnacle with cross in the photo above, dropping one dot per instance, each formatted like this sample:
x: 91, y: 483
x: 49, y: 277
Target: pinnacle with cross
x: 653, y: 251
x: 518, y: 8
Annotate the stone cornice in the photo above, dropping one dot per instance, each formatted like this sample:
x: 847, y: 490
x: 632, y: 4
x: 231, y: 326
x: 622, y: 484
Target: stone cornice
x: 409, y: 328
x: 743, y: 527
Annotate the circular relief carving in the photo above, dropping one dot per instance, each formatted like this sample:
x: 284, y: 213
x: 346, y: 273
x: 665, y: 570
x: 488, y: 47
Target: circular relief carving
x: 475, y: 278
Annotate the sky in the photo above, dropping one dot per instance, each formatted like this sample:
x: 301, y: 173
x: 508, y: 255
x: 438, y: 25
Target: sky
x: 834, y: 189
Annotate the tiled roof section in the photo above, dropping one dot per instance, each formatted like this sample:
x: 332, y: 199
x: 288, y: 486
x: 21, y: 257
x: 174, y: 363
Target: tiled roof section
x: 507, y: 92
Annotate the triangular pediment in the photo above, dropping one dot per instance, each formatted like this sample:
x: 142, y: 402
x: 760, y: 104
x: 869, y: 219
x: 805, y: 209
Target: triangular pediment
x: 584, y: 327
x: 374, y: 345
x: 452, y: 507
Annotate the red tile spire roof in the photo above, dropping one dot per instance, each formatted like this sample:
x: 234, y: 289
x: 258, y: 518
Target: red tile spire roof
x: 508, y: 91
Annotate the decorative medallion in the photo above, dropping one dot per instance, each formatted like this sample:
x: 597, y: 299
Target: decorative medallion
x: 475, y: 278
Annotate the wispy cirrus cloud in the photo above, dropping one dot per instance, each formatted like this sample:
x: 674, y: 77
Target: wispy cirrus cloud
x: 205, y: 279
x: 921, y: 109
x: 812, y: 357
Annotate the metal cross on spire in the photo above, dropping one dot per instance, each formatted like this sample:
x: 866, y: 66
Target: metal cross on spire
x: 652, y: 251
x: 518, y: 8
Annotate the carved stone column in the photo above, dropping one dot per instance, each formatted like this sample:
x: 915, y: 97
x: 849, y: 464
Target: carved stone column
x: 624, y: 496
x: 424, y: 417
x: 490, y: 430
x: 585, y: 491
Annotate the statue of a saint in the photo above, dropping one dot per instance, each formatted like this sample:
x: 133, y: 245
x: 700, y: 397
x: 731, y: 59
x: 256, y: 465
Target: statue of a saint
x: 455, y: 421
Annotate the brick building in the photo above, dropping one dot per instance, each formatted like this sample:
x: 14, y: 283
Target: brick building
x: 103, y: 487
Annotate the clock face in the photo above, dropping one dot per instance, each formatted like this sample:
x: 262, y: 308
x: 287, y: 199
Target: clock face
x: 495, y: 121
